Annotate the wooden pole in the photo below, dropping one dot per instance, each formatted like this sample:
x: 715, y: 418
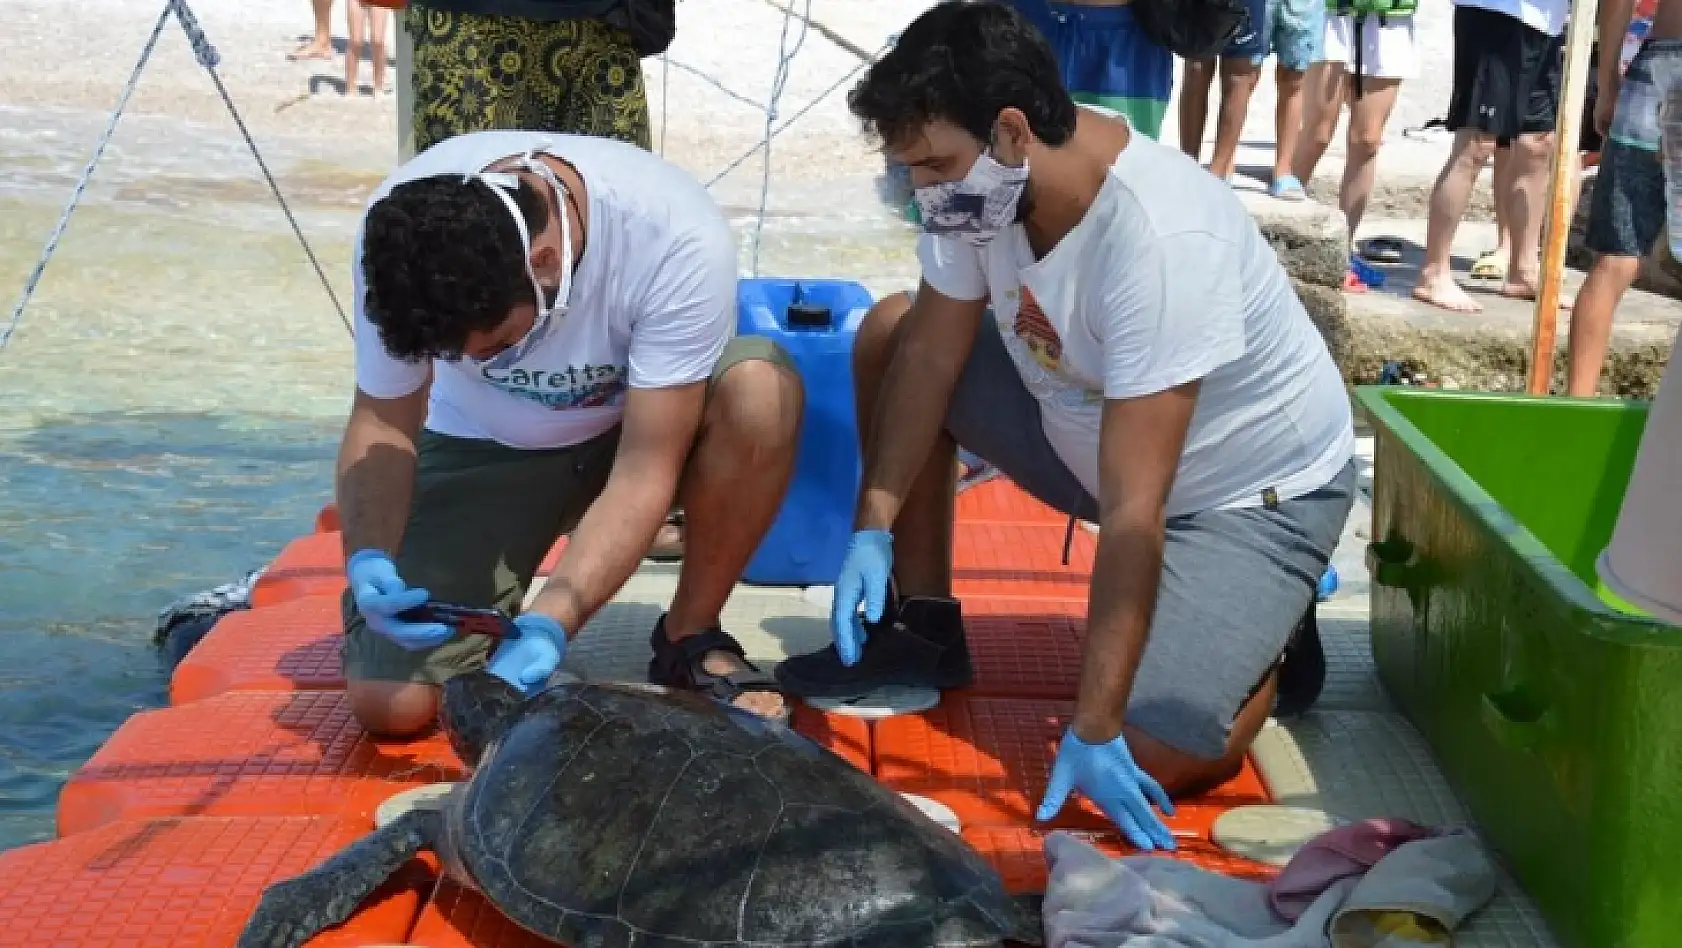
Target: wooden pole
x: 1566, y: 165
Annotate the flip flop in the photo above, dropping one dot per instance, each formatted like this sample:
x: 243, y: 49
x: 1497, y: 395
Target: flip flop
x: 1287, y: 188
x: 1383, y: 250
x: 1490, y: 266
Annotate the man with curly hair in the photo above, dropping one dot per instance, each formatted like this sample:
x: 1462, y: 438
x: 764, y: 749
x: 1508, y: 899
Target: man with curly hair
x: 545, y: 345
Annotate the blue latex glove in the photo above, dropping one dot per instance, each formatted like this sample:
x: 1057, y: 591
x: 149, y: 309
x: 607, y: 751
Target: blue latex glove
x: 1108, y: 776
x: 863, y: 579
x: 380, y: 594
x: 527, y: 661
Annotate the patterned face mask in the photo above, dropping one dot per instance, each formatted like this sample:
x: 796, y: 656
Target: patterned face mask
x: 504, y: 184
x: 976, y: 208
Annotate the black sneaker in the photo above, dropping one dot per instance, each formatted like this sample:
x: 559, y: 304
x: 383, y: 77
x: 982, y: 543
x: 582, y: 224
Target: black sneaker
x: 918, y: 644
x: 1302, y: 668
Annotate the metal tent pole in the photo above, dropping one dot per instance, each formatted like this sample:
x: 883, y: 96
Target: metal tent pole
x: 405, y: 89
x: 1566, y: 163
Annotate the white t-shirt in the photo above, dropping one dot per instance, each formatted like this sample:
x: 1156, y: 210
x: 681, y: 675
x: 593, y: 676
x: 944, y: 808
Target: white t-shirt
x: 1166, y: 279
x: 653, y: 301
x: 1545, y: 15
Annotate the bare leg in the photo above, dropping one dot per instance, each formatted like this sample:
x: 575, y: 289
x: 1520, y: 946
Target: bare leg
x: 1322, y: 100
x: 1591, y: 320
x: 321, y: 47
x: 356, y: 25
x: 738, y: 473
x: 1194, y: 105
x: 1287, y: 119
x: 1367, y: 116
x: 1238, y: 81
x: 1527, y: 204
x: 923, y: 531
x: 1448, y: 203
x: 379, y: 19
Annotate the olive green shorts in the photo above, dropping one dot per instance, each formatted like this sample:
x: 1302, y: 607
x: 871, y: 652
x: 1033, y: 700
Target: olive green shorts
x: 483, y: 517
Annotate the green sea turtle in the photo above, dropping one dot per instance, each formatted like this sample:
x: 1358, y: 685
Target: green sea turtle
x: 621, y: 815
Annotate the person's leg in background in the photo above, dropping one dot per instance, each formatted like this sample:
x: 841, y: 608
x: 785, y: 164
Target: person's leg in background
x: 1532, y: 158
x: 1483, y: 112
x: 1194, y: 105
x: 357, y: 34
x: 1238, y: 66
x: 1297, y: 27
x: 379, y: 23
x: 1626, y: 212
x: 474, y: 72
x: 321, y: 45
x: 1324, y: 88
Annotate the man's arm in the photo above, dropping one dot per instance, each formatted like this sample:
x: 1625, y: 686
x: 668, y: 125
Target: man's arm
x: 1139, y: 451
x: 656, y: 434
x: 1614, y: 26
x: 376, y: 469
x: 936, y: 337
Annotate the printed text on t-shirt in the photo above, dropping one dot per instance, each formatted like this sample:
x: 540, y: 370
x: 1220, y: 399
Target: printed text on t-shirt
x: 589, y: 386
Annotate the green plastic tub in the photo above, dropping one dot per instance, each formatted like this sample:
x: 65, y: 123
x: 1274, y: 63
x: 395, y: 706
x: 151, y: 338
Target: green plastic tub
x: 1555, y: 711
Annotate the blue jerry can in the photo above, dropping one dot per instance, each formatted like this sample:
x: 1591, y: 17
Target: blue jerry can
x: 815, y: 321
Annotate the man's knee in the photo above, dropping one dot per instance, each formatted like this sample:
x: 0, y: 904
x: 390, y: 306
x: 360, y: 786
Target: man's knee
x: 1184, y: 775
x: 393, y: 708
x: 758, y: 403
x: 873, y: 344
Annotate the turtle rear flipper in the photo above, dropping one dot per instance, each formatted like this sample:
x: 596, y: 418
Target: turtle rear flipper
x: 295, y: 910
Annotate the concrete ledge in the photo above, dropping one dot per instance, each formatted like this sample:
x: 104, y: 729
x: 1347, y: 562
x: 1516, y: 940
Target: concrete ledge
x: 1311, y: 238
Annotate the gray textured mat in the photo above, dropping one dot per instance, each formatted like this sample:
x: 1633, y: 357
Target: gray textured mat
x: 1360, y: 764
x: 1351, y: 683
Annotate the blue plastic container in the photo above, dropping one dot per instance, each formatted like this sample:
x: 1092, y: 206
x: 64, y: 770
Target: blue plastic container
x: 815, y: 320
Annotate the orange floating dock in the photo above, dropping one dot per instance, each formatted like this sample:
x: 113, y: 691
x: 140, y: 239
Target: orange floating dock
x: 257, y: 771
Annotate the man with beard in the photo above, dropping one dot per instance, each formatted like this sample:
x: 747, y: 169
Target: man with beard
x: 1101, y: 320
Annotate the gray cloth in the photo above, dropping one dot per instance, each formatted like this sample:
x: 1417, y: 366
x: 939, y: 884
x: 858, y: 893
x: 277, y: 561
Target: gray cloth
x: 1094, y: 901
x: 1235, y: 583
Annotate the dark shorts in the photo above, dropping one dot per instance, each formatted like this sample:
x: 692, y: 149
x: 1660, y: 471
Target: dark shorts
x: 483, y: 517
x: 1235, y: 583
x: 1506, y: 76
x: 473, y: 72
x: 1627, y: 208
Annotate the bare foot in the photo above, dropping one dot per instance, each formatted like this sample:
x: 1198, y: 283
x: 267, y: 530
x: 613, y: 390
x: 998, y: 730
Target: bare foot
x: 1444, y: 293
x: 766, y: 704
x: 311, y: 51
x: 1523, y: 290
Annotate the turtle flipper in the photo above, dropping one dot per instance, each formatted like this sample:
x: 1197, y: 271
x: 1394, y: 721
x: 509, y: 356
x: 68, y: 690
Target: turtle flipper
x: 295, y: 910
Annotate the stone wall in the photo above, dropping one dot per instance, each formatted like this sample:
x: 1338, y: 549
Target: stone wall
x: 1489, y: 351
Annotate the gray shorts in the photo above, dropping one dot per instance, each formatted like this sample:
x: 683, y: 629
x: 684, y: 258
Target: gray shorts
x: 1627, y: 207
x: 1235, y: 583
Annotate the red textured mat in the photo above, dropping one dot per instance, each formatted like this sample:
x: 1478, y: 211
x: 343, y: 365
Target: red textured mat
x: 248, y: 753
x: 1001, y: 501
x: 1019, y: 855
x: 289, y: 646
x: 847, y: 736
x: 312, y: 565
x: 188, y: 883
x: 1023, y: 655
x: 989, y: 760
x: 993, y: 559
x: 552, y: 557
x: 327, y: 518
x: 457, y: 918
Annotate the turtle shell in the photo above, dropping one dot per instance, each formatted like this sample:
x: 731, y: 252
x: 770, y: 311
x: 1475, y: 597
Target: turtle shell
x: 621, y: 815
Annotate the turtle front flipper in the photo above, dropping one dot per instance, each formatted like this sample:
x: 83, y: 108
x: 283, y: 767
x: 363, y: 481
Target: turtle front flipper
x: 293, y: 911
x: 475, y: 710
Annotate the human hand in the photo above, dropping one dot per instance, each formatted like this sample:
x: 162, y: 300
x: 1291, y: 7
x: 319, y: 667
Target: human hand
x: 1108, y: 776
x: 863, y: 579
x: 526, y: 661
x: 380, y: 594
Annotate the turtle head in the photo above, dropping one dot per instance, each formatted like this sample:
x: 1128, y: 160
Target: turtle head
x: 477, y: 707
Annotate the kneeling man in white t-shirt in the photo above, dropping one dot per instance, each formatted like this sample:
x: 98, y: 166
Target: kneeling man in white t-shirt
x: 1102, y: 320
x: 545, y: 345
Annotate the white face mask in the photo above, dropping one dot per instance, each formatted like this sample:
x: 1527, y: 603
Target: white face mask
x: 504, y: 184
x: 976, y: 208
